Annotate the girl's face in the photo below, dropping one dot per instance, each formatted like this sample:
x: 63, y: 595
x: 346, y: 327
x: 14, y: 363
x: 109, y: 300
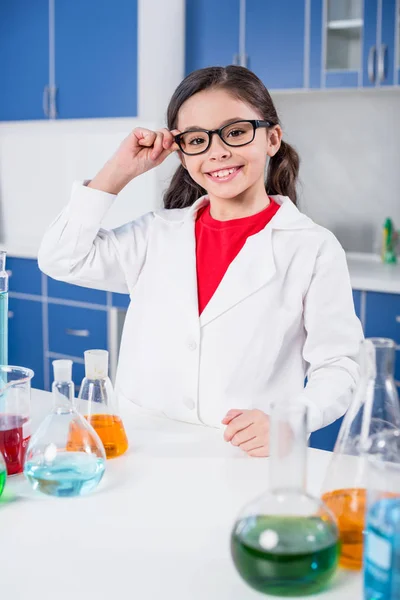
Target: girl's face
x: 212, y: 109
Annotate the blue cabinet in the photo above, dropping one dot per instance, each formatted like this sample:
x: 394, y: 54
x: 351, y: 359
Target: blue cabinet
x: 66, y: 291
x: 24, y: 58
x: 96, y: 58
x: 24, y: 276
x: 72, y: 330
x: 383, y: 315
x: 25, y: 335
x: 357, y: 302
x: 275, y: 42
x: 212, y: 33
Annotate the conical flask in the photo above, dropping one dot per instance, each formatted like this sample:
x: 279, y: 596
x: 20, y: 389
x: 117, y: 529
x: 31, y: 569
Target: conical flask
x: 373, y: 410
x: 52, y: 465
x: 98, y: 403
x: 286, y: 542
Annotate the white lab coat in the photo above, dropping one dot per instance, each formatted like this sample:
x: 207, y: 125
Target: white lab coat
x: 283, y: 310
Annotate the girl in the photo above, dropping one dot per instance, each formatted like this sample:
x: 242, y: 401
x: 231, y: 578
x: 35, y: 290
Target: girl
x: 236, y: 295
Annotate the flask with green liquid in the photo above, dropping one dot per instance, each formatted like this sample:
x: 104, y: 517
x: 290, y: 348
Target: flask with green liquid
x: 286, y: 542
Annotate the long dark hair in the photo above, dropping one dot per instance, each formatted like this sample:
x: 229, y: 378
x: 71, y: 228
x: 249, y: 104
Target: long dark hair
x: 243, y: 84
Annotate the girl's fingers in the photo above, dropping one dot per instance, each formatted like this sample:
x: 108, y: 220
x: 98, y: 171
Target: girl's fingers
x: 237, y: 424
x: 234, y: 412
x: 244, y: 436
x: 157, y: 146
x: 262, y: 451
x: 251, y: 444
x: 145, y: 137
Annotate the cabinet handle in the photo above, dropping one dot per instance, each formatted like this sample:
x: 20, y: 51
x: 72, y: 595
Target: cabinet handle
x: 10, y: 314
x: 398, y: 319
x: 382, y: 71
x: 45, y: 100
x: 53, y: 102
x: 371, y: 63
x: 78, y: 332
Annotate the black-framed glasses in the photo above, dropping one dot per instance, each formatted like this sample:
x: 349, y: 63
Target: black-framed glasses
x: 238, y: 133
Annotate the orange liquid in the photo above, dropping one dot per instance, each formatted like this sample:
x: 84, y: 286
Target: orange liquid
x: 110, y: 430
x: 348, y: 506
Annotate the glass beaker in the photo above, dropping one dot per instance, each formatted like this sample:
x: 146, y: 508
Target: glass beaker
x: 3, y: 473
x: 52, y: 466
x: 3, y: 310
x: 286, y: 541
x: 98, y: 403
x: 373, y: 410
x: 382, y: 536
x: 15, y: 415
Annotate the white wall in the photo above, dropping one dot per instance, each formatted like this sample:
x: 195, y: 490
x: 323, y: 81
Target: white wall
x: 349, y: 145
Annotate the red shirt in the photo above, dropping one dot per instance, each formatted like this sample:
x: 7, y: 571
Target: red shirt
x: 219, y: 242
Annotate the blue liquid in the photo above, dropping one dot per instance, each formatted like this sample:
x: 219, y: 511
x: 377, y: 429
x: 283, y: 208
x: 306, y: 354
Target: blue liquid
x: 382, y: 551
x: 3, y: 328
x: 69, y: 474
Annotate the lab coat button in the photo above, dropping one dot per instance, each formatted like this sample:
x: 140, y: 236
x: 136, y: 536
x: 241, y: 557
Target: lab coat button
x: 189, y: 403
x: 191, y: 344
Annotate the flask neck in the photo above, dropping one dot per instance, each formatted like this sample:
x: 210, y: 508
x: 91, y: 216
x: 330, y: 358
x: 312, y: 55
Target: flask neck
x: 3, y: 273
x: 63, y: 395
x: 384, y: 356
x: 288, y: 447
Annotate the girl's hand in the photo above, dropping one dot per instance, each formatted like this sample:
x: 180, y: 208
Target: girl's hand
x: 248, y: 429
x: 141, y: 151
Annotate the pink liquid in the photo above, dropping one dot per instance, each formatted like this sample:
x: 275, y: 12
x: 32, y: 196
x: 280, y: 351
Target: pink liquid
x: 14, y: 440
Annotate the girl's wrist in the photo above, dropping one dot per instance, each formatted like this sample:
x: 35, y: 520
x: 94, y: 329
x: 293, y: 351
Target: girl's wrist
x: 109, y: 180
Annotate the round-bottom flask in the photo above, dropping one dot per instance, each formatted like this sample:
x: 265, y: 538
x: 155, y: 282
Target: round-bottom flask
x: 285, y: 543
x: 51, y: 465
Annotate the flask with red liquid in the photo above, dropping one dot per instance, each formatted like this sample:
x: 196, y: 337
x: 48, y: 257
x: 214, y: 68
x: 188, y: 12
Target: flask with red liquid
x: 15, y: 419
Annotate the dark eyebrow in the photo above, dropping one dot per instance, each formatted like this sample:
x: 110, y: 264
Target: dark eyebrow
x: 226, y: 122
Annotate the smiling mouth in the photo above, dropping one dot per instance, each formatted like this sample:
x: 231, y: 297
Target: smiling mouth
x: 224, y: 174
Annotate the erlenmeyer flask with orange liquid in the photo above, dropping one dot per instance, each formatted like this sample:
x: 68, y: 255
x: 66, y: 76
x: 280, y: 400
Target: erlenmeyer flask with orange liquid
x: 98, y: 403
x: 374, y: 409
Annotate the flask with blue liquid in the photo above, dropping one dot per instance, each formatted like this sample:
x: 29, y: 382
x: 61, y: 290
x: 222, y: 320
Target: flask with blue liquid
x: 382, y: 537
x: 53, y: 464
x: 3, y: 310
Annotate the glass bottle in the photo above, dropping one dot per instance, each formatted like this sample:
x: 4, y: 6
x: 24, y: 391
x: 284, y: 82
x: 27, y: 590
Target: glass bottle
x: 3, y: 473
x: 98, y: 403
x: 3, y: 310
x: 286, y: 541
x: 373, y: 410
x: 382, y: 536
x: 51, y: 465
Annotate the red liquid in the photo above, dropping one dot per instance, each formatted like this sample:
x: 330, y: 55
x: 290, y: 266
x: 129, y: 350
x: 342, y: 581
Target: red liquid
x: 13, y: 444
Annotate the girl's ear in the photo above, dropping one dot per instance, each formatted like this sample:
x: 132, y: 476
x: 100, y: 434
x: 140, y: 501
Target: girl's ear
x: 274, y: 140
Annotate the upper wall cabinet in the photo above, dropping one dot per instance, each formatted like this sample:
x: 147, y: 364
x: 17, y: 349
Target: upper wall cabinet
x: 356, y: 45
x: 299, y: 44
x: 24, y: 58
x: 68, y: 59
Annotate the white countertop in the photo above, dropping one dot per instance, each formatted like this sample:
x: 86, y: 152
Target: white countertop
x: 367, y: 272
x: 157, y: 527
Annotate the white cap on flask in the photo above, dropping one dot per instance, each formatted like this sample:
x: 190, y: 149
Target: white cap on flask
x: 62, y: 370
x: 96, y: 364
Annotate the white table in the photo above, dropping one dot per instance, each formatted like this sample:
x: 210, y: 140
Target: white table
x: 157, y: 527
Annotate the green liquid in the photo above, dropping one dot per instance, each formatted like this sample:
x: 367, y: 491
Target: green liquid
x: 285, y: 556
x: 3, y: 477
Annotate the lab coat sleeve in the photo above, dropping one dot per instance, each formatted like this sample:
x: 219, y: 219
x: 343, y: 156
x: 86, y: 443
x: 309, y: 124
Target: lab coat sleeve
x: 75, y: 249
x: 333, y: 337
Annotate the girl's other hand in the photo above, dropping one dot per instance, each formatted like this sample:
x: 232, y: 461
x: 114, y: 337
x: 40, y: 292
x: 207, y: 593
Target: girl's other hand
x: 141, y: 151
x: 248, y: 429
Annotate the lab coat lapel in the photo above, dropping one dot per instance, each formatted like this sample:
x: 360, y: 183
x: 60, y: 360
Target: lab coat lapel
x: 252, y: 268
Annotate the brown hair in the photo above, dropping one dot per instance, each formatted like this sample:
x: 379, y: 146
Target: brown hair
x: 243, y: 84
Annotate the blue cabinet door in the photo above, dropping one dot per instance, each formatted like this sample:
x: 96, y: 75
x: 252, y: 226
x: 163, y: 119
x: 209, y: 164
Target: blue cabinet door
x: 96, y: 58
x: 24, y: 58
x: 25, y: 341
x: 357, y: 302
x: 212, y: 33
x: 24, y: 276
x: 325, y: 438
x: 388, y: 43
x: 383, y: 316
x: 72, y: 330
x: 275, y: 42
x: 370, y: 43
